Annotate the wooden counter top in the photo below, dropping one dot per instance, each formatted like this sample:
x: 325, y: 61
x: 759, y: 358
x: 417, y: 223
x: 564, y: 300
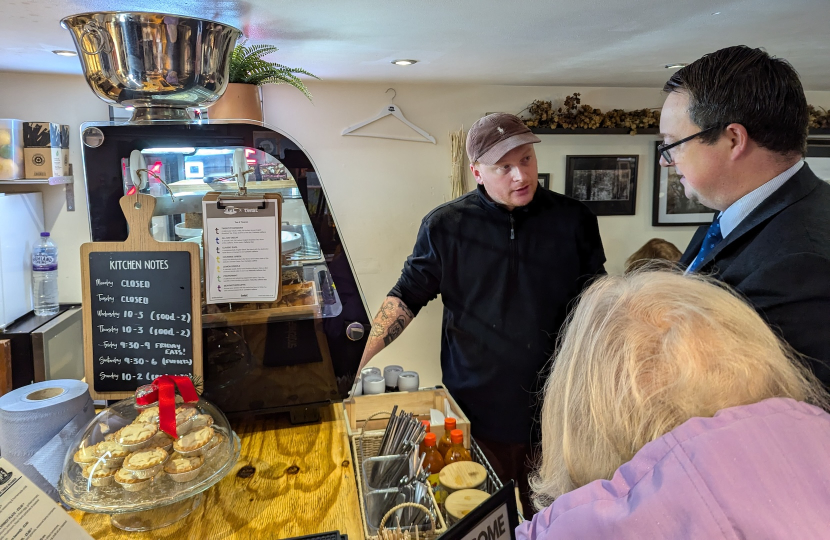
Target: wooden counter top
x: 303, y: 483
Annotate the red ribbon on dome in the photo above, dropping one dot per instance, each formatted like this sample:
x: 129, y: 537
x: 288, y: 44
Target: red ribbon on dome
x: 146, y: 395
x: 164, y: 391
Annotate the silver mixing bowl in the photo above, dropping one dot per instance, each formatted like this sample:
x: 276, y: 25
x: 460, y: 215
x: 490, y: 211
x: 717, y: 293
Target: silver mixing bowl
x: 160, y: 64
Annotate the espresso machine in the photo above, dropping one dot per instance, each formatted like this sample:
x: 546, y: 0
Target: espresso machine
x: 296, y: 355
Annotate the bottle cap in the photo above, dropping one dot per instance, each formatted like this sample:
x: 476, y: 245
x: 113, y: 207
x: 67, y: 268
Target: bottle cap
x: 44, y: 234
x: 429, y: 439
x: 449, y: 424
x: 457, y: 436
x: 425, y: 423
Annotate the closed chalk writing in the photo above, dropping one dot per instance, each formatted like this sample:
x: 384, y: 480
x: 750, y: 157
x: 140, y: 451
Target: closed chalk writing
x: 141, y: 317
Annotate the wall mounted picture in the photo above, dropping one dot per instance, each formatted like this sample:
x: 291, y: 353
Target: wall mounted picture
x: 606, y: 184
x: 671, y: 206
x: 544, y: 180
x: 818, y: 157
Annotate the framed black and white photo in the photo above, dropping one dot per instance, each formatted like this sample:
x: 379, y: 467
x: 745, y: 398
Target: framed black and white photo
x: 818, y: 157
x: 606, y: 184
x: 544, y: 180
x: 671, y: 206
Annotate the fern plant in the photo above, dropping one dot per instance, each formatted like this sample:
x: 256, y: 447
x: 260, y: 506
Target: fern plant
x: 248, y: 67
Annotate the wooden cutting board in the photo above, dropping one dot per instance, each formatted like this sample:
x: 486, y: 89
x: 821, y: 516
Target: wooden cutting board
x: 141, y: 307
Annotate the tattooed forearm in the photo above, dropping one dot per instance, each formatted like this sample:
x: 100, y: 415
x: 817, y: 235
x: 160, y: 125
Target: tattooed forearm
x: 394, y: 330
x: 387, y: 310
x: 406, y: 310
x: 392, y: 318
x: 377, y: 330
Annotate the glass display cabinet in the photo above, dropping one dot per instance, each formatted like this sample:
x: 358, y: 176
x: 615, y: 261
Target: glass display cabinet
x: 295, y: 354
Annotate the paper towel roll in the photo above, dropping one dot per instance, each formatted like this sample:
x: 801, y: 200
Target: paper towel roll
x: 37, y: 425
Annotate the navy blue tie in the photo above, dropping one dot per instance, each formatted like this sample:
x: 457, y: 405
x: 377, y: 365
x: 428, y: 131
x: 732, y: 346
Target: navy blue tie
x: 713, y: 237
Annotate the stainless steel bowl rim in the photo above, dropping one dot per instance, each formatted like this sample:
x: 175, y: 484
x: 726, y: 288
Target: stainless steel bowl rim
x: 93, y: 14
x: 159, y: 63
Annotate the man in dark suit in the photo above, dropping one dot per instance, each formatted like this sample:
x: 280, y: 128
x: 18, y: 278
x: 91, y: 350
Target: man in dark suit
x: 735, y: 127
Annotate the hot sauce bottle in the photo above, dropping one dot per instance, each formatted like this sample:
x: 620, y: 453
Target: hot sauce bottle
x: 445, y: 443
x: 433, y: 462
x: 423, y: 447
x: 457, y: 452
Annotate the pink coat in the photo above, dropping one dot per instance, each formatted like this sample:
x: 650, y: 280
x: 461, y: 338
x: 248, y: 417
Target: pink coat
x: 759, y: 471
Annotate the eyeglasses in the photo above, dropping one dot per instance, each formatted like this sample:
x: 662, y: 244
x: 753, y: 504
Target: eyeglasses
x: 664, y: 148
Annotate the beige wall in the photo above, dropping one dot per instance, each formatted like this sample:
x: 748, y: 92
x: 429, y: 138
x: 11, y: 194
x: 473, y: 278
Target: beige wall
x: 379, y: 188
x: 64, y: 99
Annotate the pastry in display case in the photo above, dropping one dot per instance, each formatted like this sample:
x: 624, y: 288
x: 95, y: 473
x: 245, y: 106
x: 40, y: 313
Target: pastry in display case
x: 125, y: 465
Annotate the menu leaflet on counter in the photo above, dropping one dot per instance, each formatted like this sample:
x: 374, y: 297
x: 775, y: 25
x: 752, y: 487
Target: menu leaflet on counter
x: 27, y: 513
x: 142, y: 325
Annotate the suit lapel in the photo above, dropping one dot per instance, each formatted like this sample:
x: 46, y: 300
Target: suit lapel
x: 793, y: 190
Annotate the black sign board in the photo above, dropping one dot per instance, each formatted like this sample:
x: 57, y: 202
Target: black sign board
x: 494, y: 519
x: 142, y: 307
x: 142, y: 325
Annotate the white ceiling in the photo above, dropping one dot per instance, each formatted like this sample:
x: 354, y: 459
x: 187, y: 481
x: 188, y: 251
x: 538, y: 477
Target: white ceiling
x: 551, y: 42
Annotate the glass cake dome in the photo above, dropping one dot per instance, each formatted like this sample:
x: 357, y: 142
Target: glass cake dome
x: 124, y: 465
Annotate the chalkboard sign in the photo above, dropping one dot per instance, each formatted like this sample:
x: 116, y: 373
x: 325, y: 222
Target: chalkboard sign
x: 141, y: 303
x: 142, y: 325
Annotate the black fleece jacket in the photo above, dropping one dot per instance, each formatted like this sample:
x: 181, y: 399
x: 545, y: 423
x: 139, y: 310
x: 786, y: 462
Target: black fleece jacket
x: 507, y: 281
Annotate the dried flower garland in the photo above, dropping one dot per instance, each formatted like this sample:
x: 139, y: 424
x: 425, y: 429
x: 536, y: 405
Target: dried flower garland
x: 573, y: 115
x: 819, y: 117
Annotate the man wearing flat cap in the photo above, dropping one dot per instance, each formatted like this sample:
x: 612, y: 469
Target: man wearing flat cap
x: 507, y: 259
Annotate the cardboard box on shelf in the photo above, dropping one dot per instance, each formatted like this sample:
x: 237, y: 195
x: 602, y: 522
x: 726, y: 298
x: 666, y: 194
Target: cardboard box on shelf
x: 65, y: 149
x: 43, y: 150
x: 41, y: 134
x: 43, y: 162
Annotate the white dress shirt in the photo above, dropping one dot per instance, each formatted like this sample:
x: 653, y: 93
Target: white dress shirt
x: 735, y: 214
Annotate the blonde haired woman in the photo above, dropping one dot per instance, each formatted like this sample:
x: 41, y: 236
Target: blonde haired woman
x: 673, y: 411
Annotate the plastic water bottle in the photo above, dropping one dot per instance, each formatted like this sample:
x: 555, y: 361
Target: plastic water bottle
x: 45, y: 276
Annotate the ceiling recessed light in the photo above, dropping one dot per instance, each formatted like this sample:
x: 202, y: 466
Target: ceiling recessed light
x: 675, y: 66
x: 65, y: 53
x: 404, y: 62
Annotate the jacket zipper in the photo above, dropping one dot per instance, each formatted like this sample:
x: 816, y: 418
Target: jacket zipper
x: 512, y: 245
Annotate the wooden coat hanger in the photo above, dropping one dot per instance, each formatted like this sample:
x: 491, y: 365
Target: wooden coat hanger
x: 390, y: 110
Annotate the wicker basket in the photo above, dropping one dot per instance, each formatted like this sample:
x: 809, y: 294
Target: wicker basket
x: 367, y: 444
x: 364, y: 446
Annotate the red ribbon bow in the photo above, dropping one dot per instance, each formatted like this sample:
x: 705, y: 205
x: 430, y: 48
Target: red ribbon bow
x: 164, y: 391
